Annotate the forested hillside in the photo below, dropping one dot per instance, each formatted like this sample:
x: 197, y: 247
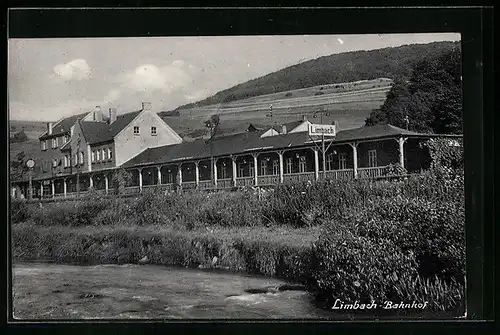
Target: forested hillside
x: 430, y: 102
x: 338, y: 68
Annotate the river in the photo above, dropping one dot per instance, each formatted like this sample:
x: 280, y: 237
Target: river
x: 54, y: 291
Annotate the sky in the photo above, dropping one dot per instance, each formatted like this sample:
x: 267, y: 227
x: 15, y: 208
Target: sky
x: 49, y: 79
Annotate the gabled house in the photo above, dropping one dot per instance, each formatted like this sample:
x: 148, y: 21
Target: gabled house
x: 89, y: 141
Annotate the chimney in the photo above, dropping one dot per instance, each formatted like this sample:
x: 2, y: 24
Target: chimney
x: 146, y: 105
x: 283, y: 129
x: 97, y: 114
x: 49, y: 128
x: 112, y: 115
x: 304, y: 117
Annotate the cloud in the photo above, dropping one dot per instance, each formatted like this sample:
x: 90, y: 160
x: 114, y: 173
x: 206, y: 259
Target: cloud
x: 77, y: 69
x: 149, y: 77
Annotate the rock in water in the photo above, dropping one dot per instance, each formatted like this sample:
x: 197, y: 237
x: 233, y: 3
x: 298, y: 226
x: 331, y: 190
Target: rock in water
x: 144, y: 260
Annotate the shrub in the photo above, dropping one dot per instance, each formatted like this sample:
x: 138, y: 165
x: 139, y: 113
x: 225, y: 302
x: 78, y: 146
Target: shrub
x: 319, y: 93
x: 416, y: 231
x: 19, y: 211
x: 288, y: 94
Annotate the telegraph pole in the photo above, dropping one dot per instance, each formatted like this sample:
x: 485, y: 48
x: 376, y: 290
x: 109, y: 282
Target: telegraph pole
x: 78, y: 166
x: 30, y: 164
x: 323, y: 150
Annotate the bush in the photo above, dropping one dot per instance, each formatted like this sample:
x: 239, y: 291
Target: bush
x: 319, y: 93
x: 288, y: 94
x: 19, y: 211
x: 413, y: 230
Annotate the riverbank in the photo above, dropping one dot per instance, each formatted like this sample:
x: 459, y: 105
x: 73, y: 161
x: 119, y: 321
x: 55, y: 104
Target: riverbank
x: 350, y: 240
x: 277, y: 252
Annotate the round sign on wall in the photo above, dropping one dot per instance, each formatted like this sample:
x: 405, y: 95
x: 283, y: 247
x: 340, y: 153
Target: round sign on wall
x: 30, y: 163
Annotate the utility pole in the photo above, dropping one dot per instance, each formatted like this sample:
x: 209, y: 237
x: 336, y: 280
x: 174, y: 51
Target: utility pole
x: 212, y: 124
x: 323, y: 150
x: 30, y: 163
x: 77, y: 157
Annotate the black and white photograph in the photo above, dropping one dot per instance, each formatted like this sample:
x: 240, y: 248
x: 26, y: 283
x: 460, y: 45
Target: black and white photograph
x: 260, y: 177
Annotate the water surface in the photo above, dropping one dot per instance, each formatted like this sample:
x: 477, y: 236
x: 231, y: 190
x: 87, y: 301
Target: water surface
x: 53, y: 291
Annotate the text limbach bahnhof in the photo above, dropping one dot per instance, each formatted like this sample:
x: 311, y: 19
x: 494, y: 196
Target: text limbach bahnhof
x: 339, y: 304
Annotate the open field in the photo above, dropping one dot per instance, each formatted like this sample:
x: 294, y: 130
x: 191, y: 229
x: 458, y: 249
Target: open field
x: 32, y: 129
x: 326, y: 97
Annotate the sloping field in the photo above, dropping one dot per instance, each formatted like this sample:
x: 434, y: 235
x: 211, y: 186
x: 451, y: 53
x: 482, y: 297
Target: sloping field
x: 356, y: 95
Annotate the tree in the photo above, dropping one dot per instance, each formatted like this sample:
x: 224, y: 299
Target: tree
x: 18, y: 166
x: 121, y: 179
x: 19, y: 137
x: 431, y: 101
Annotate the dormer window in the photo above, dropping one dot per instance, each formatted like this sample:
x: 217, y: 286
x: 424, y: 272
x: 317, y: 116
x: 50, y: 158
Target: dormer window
x: 44, y: 144
x: 136, y: 130
x: 98, y: 155
x: 153, y: 130
x: 55, y: 143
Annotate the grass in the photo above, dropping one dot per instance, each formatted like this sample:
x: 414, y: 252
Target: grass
x: 352, y: 240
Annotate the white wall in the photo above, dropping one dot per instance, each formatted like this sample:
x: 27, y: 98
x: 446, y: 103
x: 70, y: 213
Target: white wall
x: 127, y: 145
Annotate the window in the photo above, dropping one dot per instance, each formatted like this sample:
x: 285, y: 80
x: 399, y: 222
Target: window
x: 241, y: 170
x: 342, y: 161
x: 136, y: 130
x: 263, y: 167
x: 63, y: 139
x: 76, y: 159
x: 170, y: 177
x: 222, y: 171
x: 98, y: 155
x: 65, y: 160
x: 329, y: 162
x: 44, y: 144
x: 302, y: 164
x: 276, y: 167
x: 93, y: 156
x: 372, y: 158
x: 55, y: 163
x: 289, y: 165
x: 81, y: 157
x: 103, y: 151
x: 110, y: 153
x: 54, y: 142
x: 153, y: 131
x: 251, y: 169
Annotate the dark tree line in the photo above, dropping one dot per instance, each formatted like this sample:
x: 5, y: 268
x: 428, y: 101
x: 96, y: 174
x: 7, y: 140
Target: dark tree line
x: 345, y: 67
x: 431, y: 101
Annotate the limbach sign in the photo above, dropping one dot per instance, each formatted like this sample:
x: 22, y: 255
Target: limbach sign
x: 322, y: 129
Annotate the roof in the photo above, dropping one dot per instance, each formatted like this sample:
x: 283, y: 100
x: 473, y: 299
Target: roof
x: 251, y: 141
x: 65, y: 124
x: 98, y: 132
x: 373, y: 132
x: 291, y: 125
x: 221, y: 146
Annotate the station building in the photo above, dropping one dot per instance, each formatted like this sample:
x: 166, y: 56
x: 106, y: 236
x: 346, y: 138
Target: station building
x: 88, y: 149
